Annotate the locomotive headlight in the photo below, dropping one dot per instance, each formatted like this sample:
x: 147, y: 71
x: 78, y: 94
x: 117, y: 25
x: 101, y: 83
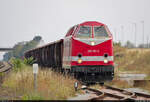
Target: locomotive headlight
x: 79, y: 60
x: 105, y: 61
x: 92, y: 43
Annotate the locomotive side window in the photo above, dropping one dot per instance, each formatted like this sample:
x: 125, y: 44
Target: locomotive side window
x: 84, y: 32
x: 70, y: 31
x: 100, y: 31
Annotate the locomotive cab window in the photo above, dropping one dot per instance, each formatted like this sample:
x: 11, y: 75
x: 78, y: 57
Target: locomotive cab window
x: 84, y: 32
x: 100, y: 31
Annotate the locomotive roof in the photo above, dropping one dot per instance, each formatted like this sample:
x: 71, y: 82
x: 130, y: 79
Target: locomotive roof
x: 91, y: 23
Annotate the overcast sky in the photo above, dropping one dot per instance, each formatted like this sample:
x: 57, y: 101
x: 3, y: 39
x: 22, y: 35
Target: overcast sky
x: 21, y: 20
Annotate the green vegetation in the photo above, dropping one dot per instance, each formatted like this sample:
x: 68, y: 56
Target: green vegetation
x: 51, y: 85
x: 29, y: 61
x: 17, y: 64
x: 21, y: 47
x: 32, y: 96
x: 1, y: 74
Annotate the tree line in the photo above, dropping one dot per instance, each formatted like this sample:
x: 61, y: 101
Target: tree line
x: 22, y: 47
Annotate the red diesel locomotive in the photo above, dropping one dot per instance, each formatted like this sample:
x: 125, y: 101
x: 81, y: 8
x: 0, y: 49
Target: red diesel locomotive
x: 86, y: 52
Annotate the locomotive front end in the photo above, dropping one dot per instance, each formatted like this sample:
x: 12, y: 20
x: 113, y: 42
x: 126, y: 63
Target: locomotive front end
x: 92, y: 53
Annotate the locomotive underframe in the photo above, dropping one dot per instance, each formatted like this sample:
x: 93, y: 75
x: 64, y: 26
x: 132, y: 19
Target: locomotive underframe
x: 93, y: 74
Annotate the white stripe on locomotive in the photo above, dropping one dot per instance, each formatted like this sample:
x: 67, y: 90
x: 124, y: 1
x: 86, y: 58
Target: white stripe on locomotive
x: 88, y: 58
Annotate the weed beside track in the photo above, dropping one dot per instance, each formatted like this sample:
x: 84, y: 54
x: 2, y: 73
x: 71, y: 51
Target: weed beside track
x: 51, y: 85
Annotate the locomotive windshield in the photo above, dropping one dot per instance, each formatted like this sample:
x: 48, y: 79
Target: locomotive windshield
x: 100, y: 31
x: 84, y: 32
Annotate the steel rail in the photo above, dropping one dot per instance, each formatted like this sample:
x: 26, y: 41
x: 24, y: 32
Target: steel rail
x: 118, y: 94
x: 5, y: 67
x: 124, y: 92
x: 141, y: 96
x: 104, y: 95
x: 1, y: 65
x: 132, y: 95
x: 96, y: 91
x: 4, y: 70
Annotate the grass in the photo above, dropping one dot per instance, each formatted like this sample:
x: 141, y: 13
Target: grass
x: 134, y: 60
x: 119, y: 83
x: 54, y: 86
x: 51, y: 85
x: 146, y: 86
x: 96, y: 86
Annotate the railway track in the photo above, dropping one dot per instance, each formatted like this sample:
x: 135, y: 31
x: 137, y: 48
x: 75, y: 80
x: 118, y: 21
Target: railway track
x: 1, y: 65
x: 5, y: 67
x: 112, y: 93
